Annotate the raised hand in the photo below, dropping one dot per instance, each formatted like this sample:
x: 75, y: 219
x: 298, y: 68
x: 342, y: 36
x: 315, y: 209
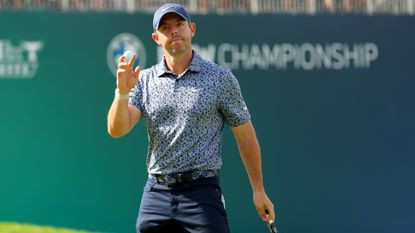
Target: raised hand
x: 126, y: 76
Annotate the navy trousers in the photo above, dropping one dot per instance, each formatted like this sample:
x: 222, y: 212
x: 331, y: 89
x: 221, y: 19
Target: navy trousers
x: 195, y: 206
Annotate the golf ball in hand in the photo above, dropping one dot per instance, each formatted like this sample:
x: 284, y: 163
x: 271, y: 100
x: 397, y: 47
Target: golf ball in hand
x: 128, y: 55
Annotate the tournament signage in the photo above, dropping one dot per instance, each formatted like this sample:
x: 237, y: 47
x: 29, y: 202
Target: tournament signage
x: 331, y: 98
x: 305, y: 56
x: 19, y: 61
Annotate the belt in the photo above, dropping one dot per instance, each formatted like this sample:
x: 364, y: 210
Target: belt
x: 175, y: 178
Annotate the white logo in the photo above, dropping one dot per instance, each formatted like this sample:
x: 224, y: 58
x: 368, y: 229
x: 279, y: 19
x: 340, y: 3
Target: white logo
x: 121, y: 43
x: 19, y: 61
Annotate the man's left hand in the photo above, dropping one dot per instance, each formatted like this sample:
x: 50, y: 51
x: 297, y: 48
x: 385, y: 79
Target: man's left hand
x: 264, y: 206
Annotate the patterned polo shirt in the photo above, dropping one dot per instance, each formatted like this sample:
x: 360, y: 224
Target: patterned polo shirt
x: 185, y: 115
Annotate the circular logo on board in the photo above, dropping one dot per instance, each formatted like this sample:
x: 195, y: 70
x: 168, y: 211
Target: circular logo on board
x: 121, y: 43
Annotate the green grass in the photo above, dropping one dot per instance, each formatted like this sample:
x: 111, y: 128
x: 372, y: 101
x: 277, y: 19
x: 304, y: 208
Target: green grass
x: 7, y: 227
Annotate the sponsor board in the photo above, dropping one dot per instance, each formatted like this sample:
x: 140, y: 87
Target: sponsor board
x: 19, y: 61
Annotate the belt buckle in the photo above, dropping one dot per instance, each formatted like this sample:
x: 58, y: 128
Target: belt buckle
x: 169, y: 182
x: 178, y: 178
x: 160, y: 179
x: 166, y: 179
x: 172, y: 179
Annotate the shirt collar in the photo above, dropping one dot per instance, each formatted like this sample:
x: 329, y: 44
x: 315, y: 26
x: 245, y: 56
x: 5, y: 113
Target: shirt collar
x: 194, y: 66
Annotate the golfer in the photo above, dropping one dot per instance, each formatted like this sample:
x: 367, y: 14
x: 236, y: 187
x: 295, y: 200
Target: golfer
x: 186, y: 101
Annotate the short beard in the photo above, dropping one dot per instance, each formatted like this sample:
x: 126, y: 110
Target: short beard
x: 175, y: 51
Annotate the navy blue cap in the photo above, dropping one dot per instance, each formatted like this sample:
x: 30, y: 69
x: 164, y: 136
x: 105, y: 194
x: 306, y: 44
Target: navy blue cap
x: 169, y: 8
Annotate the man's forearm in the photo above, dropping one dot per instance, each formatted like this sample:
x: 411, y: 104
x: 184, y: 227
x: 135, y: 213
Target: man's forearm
x: 250, y: 153
x: 118, y: 118
x: 251, y: 157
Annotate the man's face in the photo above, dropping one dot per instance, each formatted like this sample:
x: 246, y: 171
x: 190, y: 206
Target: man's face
x: 174, y: 34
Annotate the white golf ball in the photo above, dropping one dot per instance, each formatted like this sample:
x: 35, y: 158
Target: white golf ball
x: 128, y: 55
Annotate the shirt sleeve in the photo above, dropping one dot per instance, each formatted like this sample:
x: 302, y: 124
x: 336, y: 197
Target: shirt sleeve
x: 232, y: 104
x: 136, y: 95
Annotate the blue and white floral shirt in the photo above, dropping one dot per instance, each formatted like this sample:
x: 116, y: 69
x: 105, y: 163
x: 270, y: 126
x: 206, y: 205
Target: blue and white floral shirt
x: 185, y: 115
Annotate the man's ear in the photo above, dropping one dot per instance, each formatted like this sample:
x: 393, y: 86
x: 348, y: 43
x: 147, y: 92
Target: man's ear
x: 155, y: 37
x: 193, y: 29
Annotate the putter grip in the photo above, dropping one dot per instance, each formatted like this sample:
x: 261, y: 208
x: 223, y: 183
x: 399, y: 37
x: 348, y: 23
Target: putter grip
x: 271, y: 225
